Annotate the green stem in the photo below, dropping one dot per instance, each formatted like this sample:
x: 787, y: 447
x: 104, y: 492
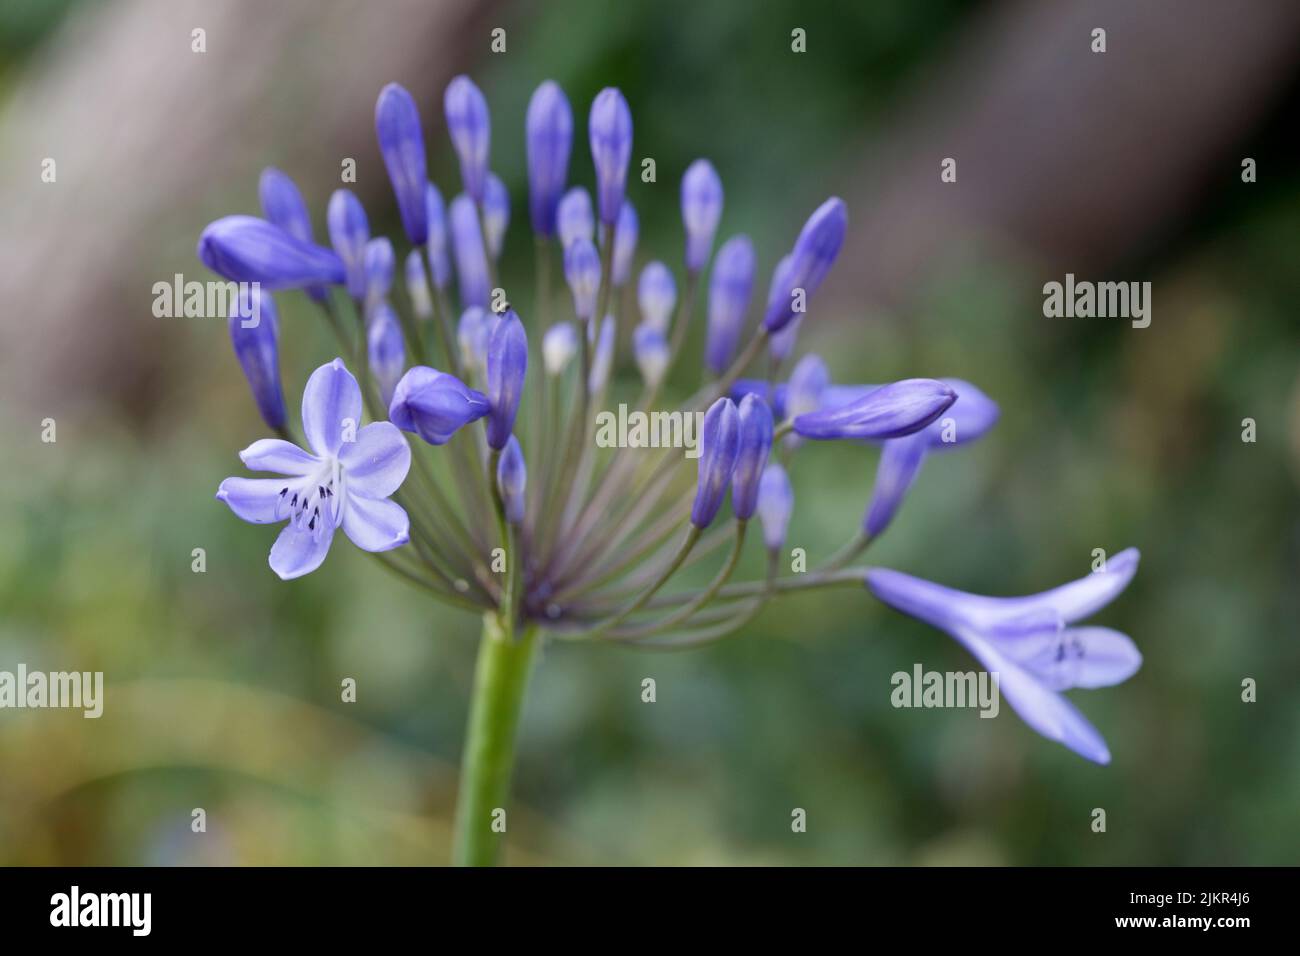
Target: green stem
x: 500, y: 680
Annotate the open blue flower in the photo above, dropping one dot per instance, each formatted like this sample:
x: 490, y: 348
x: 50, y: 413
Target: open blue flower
x: 1030, y: 643
x: 343, y: 481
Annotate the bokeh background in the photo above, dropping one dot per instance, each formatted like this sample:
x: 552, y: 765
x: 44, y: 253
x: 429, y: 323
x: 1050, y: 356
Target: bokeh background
x: 223, y: 687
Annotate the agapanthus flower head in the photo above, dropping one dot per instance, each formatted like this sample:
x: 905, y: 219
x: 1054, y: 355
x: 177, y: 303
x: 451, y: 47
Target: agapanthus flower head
x: 512, y: 481
x: 378, y: 262
x: 559, y: 345
x: 471, y: 132
x: 471, y: 258
x: 650, y: 347
x: 507, y: 365
x: 811, y: 258
x: 417, y: 285
x: 436, y: 213
x: 602, y: 355
x: 385, y: 349
x: 719, y: 444
x: 753, y: 445
x: 249, y: 249
x: 582, y: 272
x: 496, y: 213
x: 401, y: 142
x: 473, y: 332
x: 254, y: 333
x: 888, y: 412
x: 435, y: 405
x: 349, y: 230
x: 775, y: 505
x: 730, y: 287
x: 610, y: 130
x: 574, y: 217
x: 344, y: 478
x: 626, y: 234
x: 1031, y: 643
x: 656, y: 294
x: 549, y: 139
x: 701, y: 211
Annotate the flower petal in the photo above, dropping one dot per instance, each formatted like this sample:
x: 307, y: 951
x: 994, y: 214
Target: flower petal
x: 968, y: 418
x: 375, y: 524
x: 298, y: 551
x: 377, y: 462
x: 1086, y: 657
x: 890, y: 411
x: 900, y: 463
x: 253, y: 499
x: 1078, y: 599
x: 280, y: 456
x: 331, y: 403
x: 1039, y: 706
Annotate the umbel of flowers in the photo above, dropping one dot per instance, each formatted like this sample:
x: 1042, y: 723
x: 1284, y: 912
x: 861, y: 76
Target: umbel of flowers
x: 482, y: 484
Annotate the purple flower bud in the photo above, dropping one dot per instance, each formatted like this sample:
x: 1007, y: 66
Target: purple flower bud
x: 808, y: 382
x: 889, y: 412
x: 549, y: 135
x: 753, y: 445
x: 574, y: 219
x: 378, y: 262
x: 780, y: 345
x: 439, y: 263
x: 473, y: 333
x: 401, y: 141
x: 701, y: 210
x: 417, y: 285
x: 254, y: 332
x: 610, y: 130
x: 349, y: 232
x: 496, y: 214
x: 626, y: 234
x: 283, y: 205
x: 775, y: 504
x: 971, y: 415
x: 730, y: 287
x: 719, y: 441
x: 512, y: 480
x: 387, y: 352
x: 248, y: 249
x: 900, y: 461
x: 434, y: 405
x: 651, y: 351
x: 507, y: 365
x: 582, y: 272
x: 471, y: 259
x: 471, y: 132
x: 559, y: 345
x: 812, y: 257
x: 602, y: 359
x: 757, y: 386
x: 656, y: 294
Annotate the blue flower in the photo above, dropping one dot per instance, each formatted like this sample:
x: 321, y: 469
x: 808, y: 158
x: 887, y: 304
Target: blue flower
x: 1030, y: 643
x: 719, y: 444
x: 401, y: 141
x: 439, y: 263
x: 496, y: 214
x: 626, y: 234
x: 650, y: 348
x: 549, y: 140
x: 656, y: 293
x: 507, y: 366
x: 813, y: 255
x: 385, y: 349
x: 610, y: 130
x: 254, y: 332
x: 512, y: 480
x: 248, y: 249
x: 574, y: 218
x: 471, y: 258
x: 701, y: 211
x: 344, y: 481
x: 753, y: 445
x: 887, y: 412
x: 378, y: 263
x: 471, y: 132
x: 730, y: 288
x: 349, y: 232
x: 582, y: 272
x: 435, y: 405
x: 775, y: 505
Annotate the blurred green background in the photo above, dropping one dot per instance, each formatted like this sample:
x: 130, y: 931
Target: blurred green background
x: 223, y: 687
